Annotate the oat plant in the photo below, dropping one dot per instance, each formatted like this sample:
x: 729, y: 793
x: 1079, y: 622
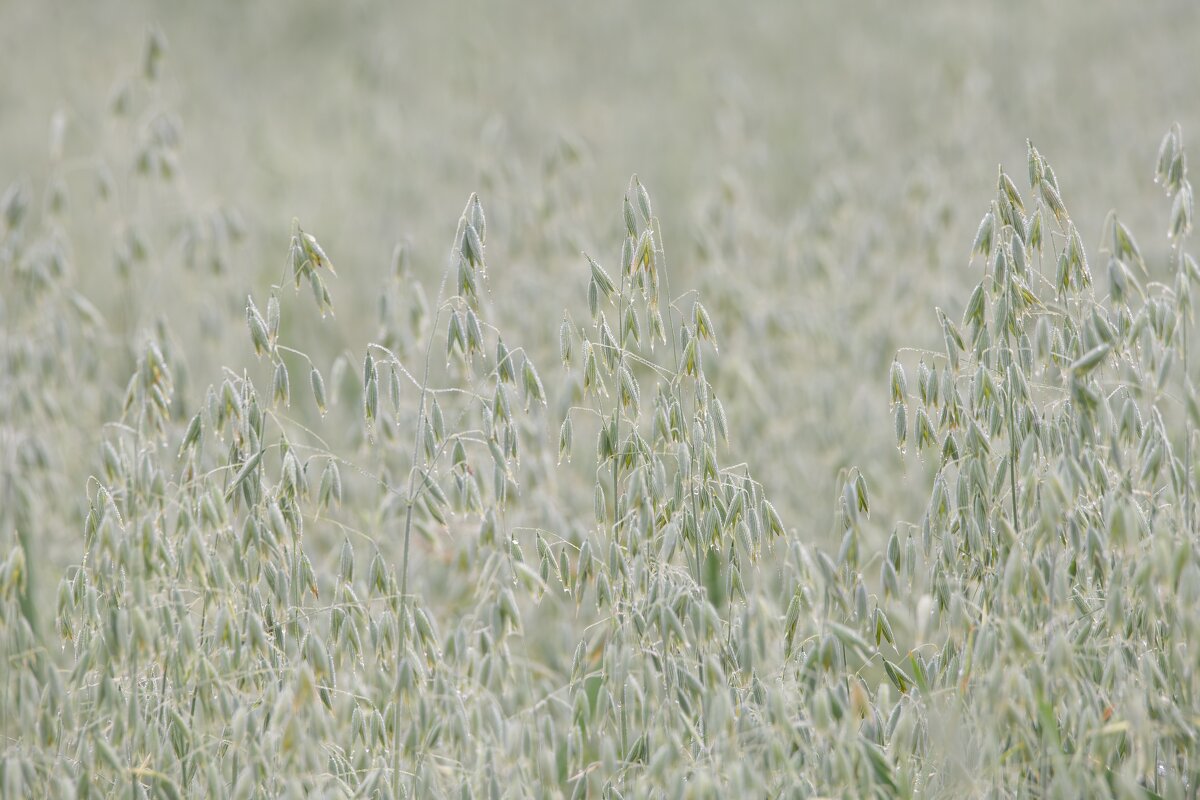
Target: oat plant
x: 364, y: 570
x: 1052, y: 582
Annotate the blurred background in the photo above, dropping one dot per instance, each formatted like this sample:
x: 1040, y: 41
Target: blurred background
x: 819, y: 168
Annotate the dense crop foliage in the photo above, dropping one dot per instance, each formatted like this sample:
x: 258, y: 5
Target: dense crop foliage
x: 516, y: 538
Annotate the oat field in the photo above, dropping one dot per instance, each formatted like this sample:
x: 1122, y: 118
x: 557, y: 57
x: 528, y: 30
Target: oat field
x: 547, y: 400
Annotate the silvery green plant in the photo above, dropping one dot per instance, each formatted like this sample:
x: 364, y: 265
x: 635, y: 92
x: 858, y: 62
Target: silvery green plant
x: 197, y: 616
x: 219, y: 645
x: 364, y: 570
x: 655, y: 687
x: 1053, y: 580
x: 114, y: 212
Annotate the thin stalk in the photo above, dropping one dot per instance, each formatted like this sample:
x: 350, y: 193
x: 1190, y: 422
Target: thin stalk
x: 412, y: 476
x: 617, y: 417
x: 1187, y: 428
x: 408, y: 511
x: 1012, y: 449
